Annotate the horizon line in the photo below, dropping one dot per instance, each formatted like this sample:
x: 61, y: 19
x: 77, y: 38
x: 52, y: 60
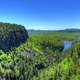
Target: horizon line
x: 53, y: 29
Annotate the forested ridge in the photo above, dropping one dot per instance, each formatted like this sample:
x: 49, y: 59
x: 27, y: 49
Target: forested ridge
x: 41, y: 57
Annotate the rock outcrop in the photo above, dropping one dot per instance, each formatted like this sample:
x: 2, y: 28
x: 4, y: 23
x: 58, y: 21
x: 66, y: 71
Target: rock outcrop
x: 12, y: 35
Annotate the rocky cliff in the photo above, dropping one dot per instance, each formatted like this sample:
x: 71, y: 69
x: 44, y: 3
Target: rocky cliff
x: 12, y: 35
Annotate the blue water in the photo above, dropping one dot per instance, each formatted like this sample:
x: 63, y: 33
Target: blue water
x: 67, y: 44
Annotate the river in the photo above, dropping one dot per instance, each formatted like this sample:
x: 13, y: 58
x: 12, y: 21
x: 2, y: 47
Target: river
x: 67, y: 44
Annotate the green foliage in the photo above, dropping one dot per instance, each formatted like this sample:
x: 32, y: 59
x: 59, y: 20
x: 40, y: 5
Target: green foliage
x: 42, y: 58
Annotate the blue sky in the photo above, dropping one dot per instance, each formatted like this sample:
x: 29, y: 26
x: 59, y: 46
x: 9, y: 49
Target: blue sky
x: 41, y: 14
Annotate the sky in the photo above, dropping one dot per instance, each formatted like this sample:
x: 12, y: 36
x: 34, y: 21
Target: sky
x: 41, y: 14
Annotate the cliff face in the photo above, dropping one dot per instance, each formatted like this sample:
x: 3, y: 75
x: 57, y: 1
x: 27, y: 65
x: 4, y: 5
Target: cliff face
x: 12, y: 35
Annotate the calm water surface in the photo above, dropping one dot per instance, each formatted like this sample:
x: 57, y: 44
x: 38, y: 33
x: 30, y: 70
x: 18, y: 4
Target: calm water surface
x: 67, y: 44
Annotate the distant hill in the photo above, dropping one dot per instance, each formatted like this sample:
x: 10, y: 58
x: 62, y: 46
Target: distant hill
x: 11, y: 35
x: 70, y: 30
x: 65, y: 30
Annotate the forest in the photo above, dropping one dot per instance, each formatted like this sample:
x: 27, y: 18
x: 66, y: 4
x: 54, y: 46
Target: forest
x: 41, y: 56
